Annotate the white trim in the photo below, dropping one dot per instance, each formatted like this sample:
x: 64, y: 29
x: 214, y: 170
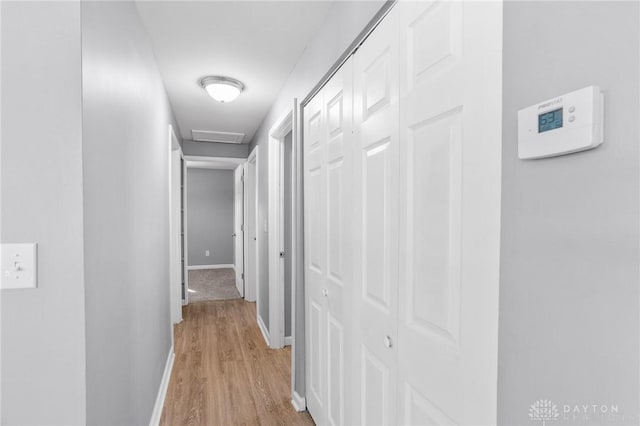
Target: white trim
x: 175, y: 243
x: 263, y: 329
x: 162, y: 390
x: 245, y: 234
x: 297, y: 265
x: 230, y: 160
x: 251, y: 288
x: 299, y: 403
x: 288, y: 340
x: 277, y: 134
x: 238, y: 227
x: 185, y: 230
x: 222, y: 266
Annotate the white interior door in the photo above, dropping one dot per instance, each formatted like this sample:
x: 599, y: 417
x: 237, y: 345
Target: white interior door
x: 252, y: 230
x: 402, y: 222
x: 238, y: 228
x: 338, y: 289
x: 315, y: 257
x: 450, y: 158
x: 376, y: 233
x: 329, y: 264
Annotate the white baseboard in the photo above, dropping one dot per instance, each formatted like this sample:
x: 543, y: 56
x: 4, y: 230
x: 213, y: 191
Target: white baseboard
x: 288, y: 340
x: 298, y: 402
x: 224, y: 266
x: 162, y: 391
x: 263, y: 329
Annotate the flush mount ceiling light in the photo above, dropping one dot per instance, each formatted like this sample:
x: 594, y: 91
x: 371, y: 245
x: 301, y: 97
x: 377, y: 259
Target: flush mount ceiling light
x: 222, y: 89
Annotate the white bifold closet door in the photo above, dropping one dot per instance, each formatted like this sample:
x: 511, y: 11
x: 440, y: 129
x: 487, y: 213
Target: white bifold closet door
x: 450, y: 186
x: 328, y: 264
x: 375, y: 207
x: 418, y: 237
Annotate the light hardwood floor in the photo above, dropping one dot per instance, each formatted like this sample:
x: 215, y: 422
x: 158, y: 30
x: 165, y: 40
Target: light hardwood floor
x: 224, y: 373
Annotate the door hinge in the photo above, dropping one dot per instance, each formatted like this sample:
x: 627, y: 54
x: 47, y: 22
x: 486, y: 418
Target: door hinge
x: 242, y: 228
x: 242, y: 276
x: 241, y: 178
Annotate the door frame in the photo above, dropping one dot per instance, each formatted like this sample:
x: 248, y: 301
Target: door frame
x: 282, y: 127
x: 238, y: 231
x: 175, y: 249
x: 185, y: 233
x: 251, y: 289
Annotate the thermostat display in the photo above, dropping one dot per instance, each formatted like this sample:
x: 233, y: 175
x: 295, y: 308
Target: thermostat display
x: 569, y: 123
x: 550, y: 120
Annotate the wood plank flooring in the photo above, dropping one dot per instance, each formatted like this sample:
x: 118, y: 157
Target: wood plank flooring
x: 224, y: 373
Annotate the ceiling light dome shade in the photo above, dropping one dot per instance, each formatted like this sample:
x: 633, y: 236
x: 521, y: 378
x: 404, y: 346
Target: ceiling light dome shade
x: 222, y: 89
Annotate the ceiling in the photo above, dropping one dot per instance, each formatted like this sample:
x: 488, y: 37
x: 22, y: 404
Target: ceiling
x: 257, y: 43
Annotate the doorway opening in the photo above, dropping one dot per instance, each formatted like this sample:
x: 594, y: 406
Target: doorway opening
x: 285, y: 287
x: 213, y: 240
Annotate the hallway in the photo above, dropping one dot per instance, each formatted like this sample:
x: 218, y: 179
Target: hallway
x: 224, y: 373
x: 354, y: 212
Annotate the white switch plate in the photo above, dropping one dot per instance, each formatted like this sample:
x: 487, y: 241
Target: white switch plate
x: 19, y: 266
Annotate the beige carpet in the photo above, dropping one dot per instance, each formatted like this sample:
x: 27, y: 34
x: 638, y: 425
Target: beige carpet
x: 212, y: 284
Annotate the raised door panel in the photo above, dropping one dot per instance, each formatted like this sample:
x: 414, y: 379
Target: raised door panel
x: 377, y: 278
x: 377, y: 397
x: 335, y: 370
x: 316, y: 355
x: 450, y: 93
x: 433, y: 163
x: 375, y: 229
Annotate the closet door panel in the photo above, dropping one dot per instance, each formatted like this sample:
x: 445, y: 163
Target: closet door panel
x: 375, y: 201
x: 339, y: 281
x: 315, y: 257
x: 328, y: 169
x: 449, y: 198
x: 402, y: 215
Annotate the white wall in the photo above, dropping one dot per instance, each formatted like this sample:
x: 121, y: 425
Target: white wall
x: 210, y: 203
x: 126, y: 163
x: 570, y: 225
x: 43, y: 343
x: 344, y: 21
x: 215, y: 149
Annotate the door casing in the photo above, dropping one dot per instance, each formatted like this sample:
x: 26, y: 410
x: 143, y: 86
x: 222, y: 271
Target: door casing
x: 252, y: 248
x: 175, y: 246
x: 238, y: 227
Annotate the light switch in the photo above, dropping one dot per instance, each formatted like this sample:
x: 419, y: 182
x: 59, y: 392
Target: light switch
x: 19, y: 266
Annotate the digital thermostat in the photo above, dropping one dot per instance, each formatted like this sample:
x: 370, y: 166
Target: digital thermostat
x: 562, y: 125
